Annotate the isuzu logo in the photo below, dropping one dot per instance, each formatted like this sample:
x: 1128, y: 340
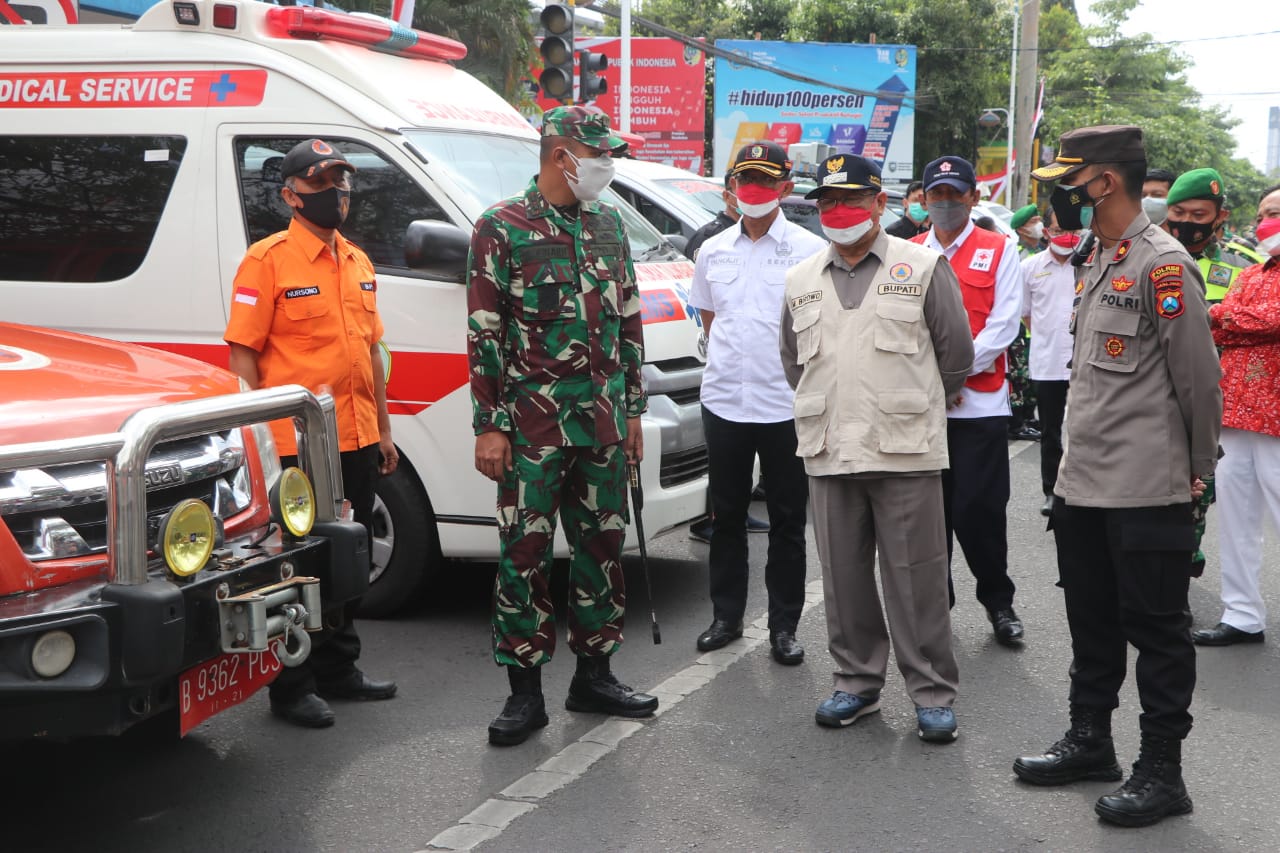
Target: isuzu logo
x: 164, y: 475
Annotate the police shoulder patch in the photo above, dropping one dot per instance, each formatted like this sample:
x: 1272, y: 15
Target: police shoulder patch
x: 1166, y: 271
x: 1169, y: 304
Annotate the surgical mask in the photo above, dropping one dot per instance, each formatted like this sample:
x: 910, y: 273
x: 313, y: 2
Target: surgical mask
x: 1037, y: 231
x: 1072, y: 206
x: 1189, y: 233
x: 1156, y: 209
x: 1268, y: 233
x: 917, y: 212
x: 594, y: 174
x: 756, y: 201
x: 948, y: 215
x: 846, y: 225
x: 1064, y: 244
x: 327, y: 208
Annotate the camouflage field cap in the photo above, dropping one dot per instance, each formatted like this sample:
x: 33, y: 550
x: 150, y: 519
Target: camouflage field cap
x: 590, y: 127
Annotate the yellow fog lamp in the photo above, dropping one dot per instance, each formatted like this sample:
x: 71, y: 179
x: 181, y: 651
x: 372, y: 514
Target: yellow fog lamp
x: 293, y: 502
x: 187, y: 537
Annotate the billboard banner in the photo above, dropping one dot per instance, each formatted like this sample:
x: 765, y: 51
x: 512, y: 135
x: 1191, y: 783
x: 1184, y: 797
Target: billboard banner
x: 668, y: 102
x: 812, y: 121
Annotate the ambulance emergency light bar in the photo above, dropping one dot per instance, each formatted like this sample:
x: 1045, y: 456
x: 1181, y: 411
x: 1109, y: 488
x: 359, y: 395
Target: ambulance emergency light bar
x: 306, y: 22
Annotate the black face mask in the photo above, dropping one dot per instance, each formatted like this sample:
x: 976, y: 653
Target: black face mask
x: 1189, y: 233
x: 327, y: 208
x: 1068, y: 205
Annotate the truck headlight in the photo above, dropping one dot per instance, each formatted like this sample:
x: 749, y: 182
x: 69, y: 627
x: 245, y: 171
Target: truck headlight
x: 293, y: 502
x: 187, y: 537
x: 53, y: 653
x: 268, y: 456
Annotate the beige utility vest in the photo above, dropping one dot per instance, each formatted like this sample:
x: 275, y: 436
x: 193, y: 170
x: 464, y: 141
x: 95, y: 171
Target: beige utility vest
x: 871, y: 397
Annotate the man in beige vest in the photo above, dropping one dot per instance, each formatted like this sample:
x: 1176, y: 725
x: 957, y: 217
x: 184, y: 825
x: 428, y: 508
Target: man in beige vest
x: 875, y: 340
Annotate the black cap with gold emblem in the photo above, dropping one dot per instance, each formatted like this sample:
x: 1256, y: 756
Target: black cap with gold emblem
x: 1105, y: 143
x: 846, y: 172
x: 763, y: 156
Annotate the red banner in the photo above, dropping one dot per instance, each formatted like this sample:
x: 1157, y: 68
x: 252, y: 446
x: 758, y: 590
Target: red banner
x: 668, y: 100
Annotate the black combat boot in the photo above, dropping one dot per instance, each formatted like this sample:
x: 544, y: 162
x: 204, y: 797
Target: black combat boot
x: 595, y: 689
x: 1153, y: 791
x: 1086, y: 751
x: 524, y: 711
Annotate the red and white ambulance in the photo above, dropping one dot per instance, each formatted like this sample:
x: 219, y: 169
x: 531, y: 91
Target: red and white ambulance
x: 138, y: 162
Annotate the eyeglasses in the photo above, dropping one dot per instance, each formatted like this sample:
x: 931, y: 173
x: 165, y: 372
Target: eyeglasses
x: 827, y: 203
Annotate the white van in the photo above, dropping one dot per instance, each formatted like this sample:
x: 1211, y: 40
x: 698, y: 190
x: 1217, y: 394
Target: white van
x: 138, y: 162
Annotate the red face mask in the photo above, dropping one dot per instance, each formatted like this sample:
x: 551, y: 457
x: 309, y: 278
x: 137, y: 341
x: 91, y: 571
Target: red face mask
x: 841, y: 216
x: 1066, y: 241
x: 757, y: 194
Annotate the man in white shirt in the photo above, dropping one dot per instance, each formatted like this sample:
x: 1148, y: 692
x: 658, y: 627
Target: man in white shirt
x: 1048, y: 293
x: 738, y: 283
x: 976, y: 488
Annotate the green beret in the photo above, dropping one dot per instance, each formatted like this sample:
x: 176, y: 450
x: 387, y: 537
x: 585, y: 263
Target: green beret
x: 1198, y: 183
x: 1022, y: 216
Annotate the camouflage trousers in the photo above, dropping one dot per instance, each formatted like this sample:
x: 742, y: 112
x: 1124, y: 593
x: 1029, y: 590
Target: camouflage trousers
x: 1200, y: 513
x: 587, y: 487
x: 1022, y: 394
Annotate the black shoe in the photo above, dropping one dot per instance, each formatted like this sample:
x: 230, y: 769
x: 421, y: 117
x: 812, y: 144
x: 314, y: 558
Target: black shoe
x: 1223, y: 634
x: 1024, y: 433
x: 1047, y: 509
x: 525, y: 709
x: 1086, y: 751
x: 1007, y: 625
x: 594, y: 689
x: 721, y: 633
x: 785, y: 648
x: 1153, y: 791
x: 700, y: 531
x: 755, y: 525
x: 308, y: 710
x: 357, y: 685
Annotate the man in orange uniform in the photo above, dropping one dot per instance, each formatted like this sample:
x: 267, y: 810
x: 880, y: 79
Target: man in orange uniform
x: 305, y: 311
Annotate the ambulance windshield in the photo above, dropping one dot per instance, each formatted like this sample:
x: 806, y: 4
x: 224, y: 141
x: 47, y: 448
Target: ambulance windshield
x: 493, y: 167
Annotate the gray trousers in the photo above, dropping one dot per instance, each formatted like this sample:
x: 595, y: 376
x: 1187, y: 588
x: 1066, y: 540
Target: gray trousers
x: 902, y: 517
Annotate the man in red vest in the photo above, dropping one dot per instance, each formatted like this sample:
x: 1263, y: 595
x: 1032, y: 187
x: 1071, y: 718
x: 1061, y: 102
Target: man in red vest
x: 976, y: 488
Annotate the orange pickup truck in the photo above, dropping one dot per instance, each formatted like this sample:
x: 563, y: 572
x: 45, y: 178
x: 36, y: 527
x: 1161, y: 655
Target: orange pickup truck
x: 156, y: 564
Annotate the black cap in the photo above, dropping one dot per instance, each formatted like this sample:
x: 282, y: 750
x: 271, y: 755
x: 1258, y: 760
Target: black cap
x: 1105, y: 143
x: 846, y: 172
x: 310, y: 158
x: 763, y: 156
x: 955, y: 172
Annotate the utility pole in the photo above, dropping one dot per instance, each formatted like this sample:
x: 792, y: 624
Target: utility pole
x: 1028, y: 55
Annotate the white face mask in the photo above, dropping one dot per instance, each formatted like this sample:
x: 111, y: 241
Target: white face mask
x: 1061, y: 251
x: 594, y: 174
x: 848, y: 236
x: 1037, y: 231
x: 1156, y: 209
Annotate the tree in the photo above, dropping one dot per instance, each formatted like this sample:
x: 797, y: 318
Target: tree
x: 709, y: 19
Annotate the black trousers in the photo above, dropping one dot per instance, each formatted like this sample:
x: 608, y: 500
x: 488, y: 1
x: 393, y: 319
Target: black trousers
x: 1051, y: 399
x: 731, y: 451
x: 1125, y: 575
x: 975, y: 492
x: 334, y: 651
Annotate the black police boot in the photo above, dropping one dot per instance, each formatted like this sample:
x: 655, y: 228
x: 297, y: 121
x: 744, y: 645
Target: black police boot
x: 525, y: 709
x: 1153, y: 791
x: 1086, y: 751
x: 596, y: 690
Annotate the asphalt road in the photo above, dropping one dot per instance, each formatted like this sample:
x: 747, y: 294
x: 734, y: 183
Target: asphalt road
x: 734, y: 762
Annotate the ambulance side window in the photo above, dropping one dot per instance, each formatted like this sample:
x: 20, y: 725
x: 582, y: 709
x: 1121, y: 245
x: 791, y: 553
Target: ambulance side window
x: 384, y: 200
x: 82, y: 208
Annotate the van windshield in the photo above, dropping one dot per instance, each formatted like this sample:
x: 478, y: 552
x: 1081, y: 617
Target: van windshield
x: 493, y: 167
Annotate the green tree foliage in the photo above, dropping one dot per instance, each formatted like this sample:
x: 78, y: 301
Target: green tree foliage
x: 1096, y: 76
x: 709, y: 19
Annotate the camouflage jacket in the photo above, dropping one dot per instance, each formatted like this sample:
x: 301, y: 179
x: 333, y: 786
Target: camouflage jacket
x: 554, y: 338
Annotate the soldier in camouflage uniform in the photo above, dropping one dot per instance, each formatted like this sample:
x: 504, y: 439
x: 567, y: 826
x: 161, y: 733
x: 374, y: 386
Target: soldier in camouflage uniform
x: 555, y: 346
x: 1197, y: 211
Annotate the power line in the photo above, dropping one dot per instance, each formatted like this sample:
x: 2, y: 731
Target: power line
x: 1113, y: 46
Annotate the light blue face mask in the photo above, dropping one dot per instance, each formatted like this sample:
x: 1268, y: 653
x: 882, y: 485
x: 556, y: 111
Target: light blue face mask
x: 917, y: 212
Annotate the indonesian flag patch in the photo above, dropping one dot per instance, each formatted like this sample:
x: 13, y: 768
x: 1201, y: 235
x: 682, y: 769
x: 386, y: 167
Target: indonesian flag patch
x: 246, y: 295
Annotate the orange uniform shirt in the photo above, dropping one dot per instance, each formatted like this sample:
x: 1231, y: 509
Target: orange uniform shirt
x: 312, y: 318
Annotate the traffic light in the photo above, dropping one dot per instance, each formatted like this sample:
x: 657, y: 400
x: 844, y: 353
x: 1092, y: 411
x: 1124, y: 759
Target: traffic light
x: 556, y: 78
x: 590, y: 84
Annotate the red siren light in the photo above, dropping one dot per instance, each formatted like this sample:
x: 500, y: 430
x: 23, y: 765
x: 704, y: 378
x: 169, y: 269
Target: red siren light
x: 305, y: 22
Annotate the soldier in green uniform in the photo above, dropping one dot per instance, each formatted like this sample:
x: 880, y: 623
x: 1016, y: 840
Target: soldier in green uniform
x: 1022, y: 393
x: 555, y: 345
x: 1197, y: 213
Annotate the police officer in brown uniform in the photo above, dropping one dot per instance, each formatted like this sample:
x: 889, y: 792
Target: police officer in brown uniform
x: 1143, y: 415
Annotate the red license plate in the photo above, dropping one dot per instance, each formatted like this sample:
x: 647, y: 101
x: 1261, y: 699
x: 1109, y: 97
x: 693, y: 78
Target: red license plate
x: 222, y: 683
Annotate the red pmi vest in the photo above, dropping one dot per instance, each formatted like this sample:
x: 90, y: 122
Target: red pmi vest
x: 975, y: 264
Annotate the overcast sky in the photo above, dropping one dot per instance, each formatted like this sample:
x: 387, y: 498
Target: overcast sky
x: 1242, y: 74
